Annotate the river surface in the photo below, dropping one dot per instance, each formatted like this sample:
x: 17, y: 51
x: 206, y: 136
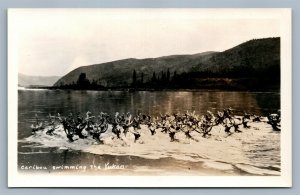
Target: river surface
x: 254, y: 152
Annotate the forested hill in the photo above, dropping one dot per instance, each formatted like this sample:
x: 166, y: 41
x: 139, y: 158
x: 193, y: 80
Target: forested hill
x: 253, y: 64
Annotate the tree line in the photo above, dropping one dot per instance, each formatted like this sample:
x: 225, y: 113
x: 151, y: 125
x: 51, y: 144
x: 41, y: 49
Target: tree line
x: 241, y: 78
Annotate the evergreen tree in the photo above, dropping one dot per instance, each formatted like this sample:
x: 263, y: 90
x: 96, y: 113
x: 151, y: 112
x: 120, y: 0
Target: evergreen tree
x: 83, y: 82
x: 134, y: 78
x: 153, y: 80
x: 174, y: 75
x: 168, y: 75
x: 163, y: 77
x: 142, y: 78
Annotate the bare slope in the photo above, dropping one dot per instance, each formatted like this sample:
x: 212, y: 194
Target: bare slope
x: 254, y: 57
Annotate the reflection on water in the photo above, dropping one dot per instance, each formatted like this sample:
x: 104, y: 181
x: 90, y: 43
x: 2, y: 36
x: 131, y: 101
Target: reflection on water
x: 44, y: 102
x: 250, y: 153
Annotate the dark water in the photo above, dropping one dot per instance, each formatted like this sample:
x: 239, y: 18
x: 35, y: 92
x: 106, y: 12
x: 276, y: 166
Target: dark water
x: 43, y: 102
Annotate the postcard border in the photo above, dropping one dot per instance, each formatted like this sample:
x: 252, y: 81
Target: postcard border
x: 15, y: 179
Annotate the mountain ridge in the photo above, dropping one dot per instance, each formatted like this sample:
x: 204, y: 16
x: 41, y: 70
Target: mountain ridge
x: 25, y: 80
x: 253, y: 58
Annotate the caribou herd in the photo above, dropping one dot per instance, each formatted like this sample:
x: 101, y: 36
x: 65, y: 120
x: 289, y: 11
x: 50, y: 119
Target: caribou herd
x: 169, y: 124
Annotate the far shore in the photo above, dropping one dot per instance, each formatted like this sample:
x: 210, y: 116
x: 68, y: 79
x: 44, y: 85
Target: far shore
x: 128, y: 89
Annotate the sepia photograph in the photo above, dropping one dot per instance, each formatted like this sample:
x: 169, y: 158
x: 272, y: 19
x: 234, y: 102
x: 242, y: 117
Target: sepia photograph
x: 149, y: 97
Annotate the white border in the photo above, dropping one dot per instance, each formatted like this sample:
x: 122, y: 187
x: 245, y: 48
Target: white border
x: 15, y: 179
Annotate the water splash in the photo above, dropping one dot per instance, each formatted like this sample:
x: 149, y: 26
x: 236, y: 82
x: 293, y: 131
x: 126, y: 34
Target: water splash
x: 255, y: 151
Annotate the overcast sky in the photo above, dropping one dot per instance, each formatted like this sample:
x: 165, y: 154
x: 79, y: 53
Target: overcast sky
x: 50, y: 42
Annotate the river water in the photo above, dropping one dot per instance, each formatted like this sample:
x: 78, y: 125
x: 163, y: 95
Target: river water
x: 253, y: 153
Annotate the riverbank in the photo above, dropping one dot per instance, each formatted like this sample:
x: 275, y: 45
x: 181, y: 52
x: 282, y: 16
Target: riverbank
x: 125, y: 89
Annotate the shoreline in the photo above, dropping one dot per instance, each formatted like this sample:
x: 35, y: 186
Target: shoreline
x: 153, y: 90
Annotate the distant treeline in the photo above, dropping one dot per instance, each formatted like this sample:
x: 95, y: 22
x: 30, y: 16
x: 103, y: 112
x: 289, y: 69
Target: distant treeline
x: 239, y: 78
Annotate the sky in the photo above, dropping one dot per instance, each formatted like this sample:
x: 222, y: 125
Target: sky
x: 52, y: 42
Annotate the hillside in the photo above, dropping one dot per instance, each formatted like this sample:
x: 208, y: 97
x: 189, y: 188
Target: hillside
x: 256, y: 55
x: 26, y: 80
x: 119, y: 73
x: 255, y: 59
